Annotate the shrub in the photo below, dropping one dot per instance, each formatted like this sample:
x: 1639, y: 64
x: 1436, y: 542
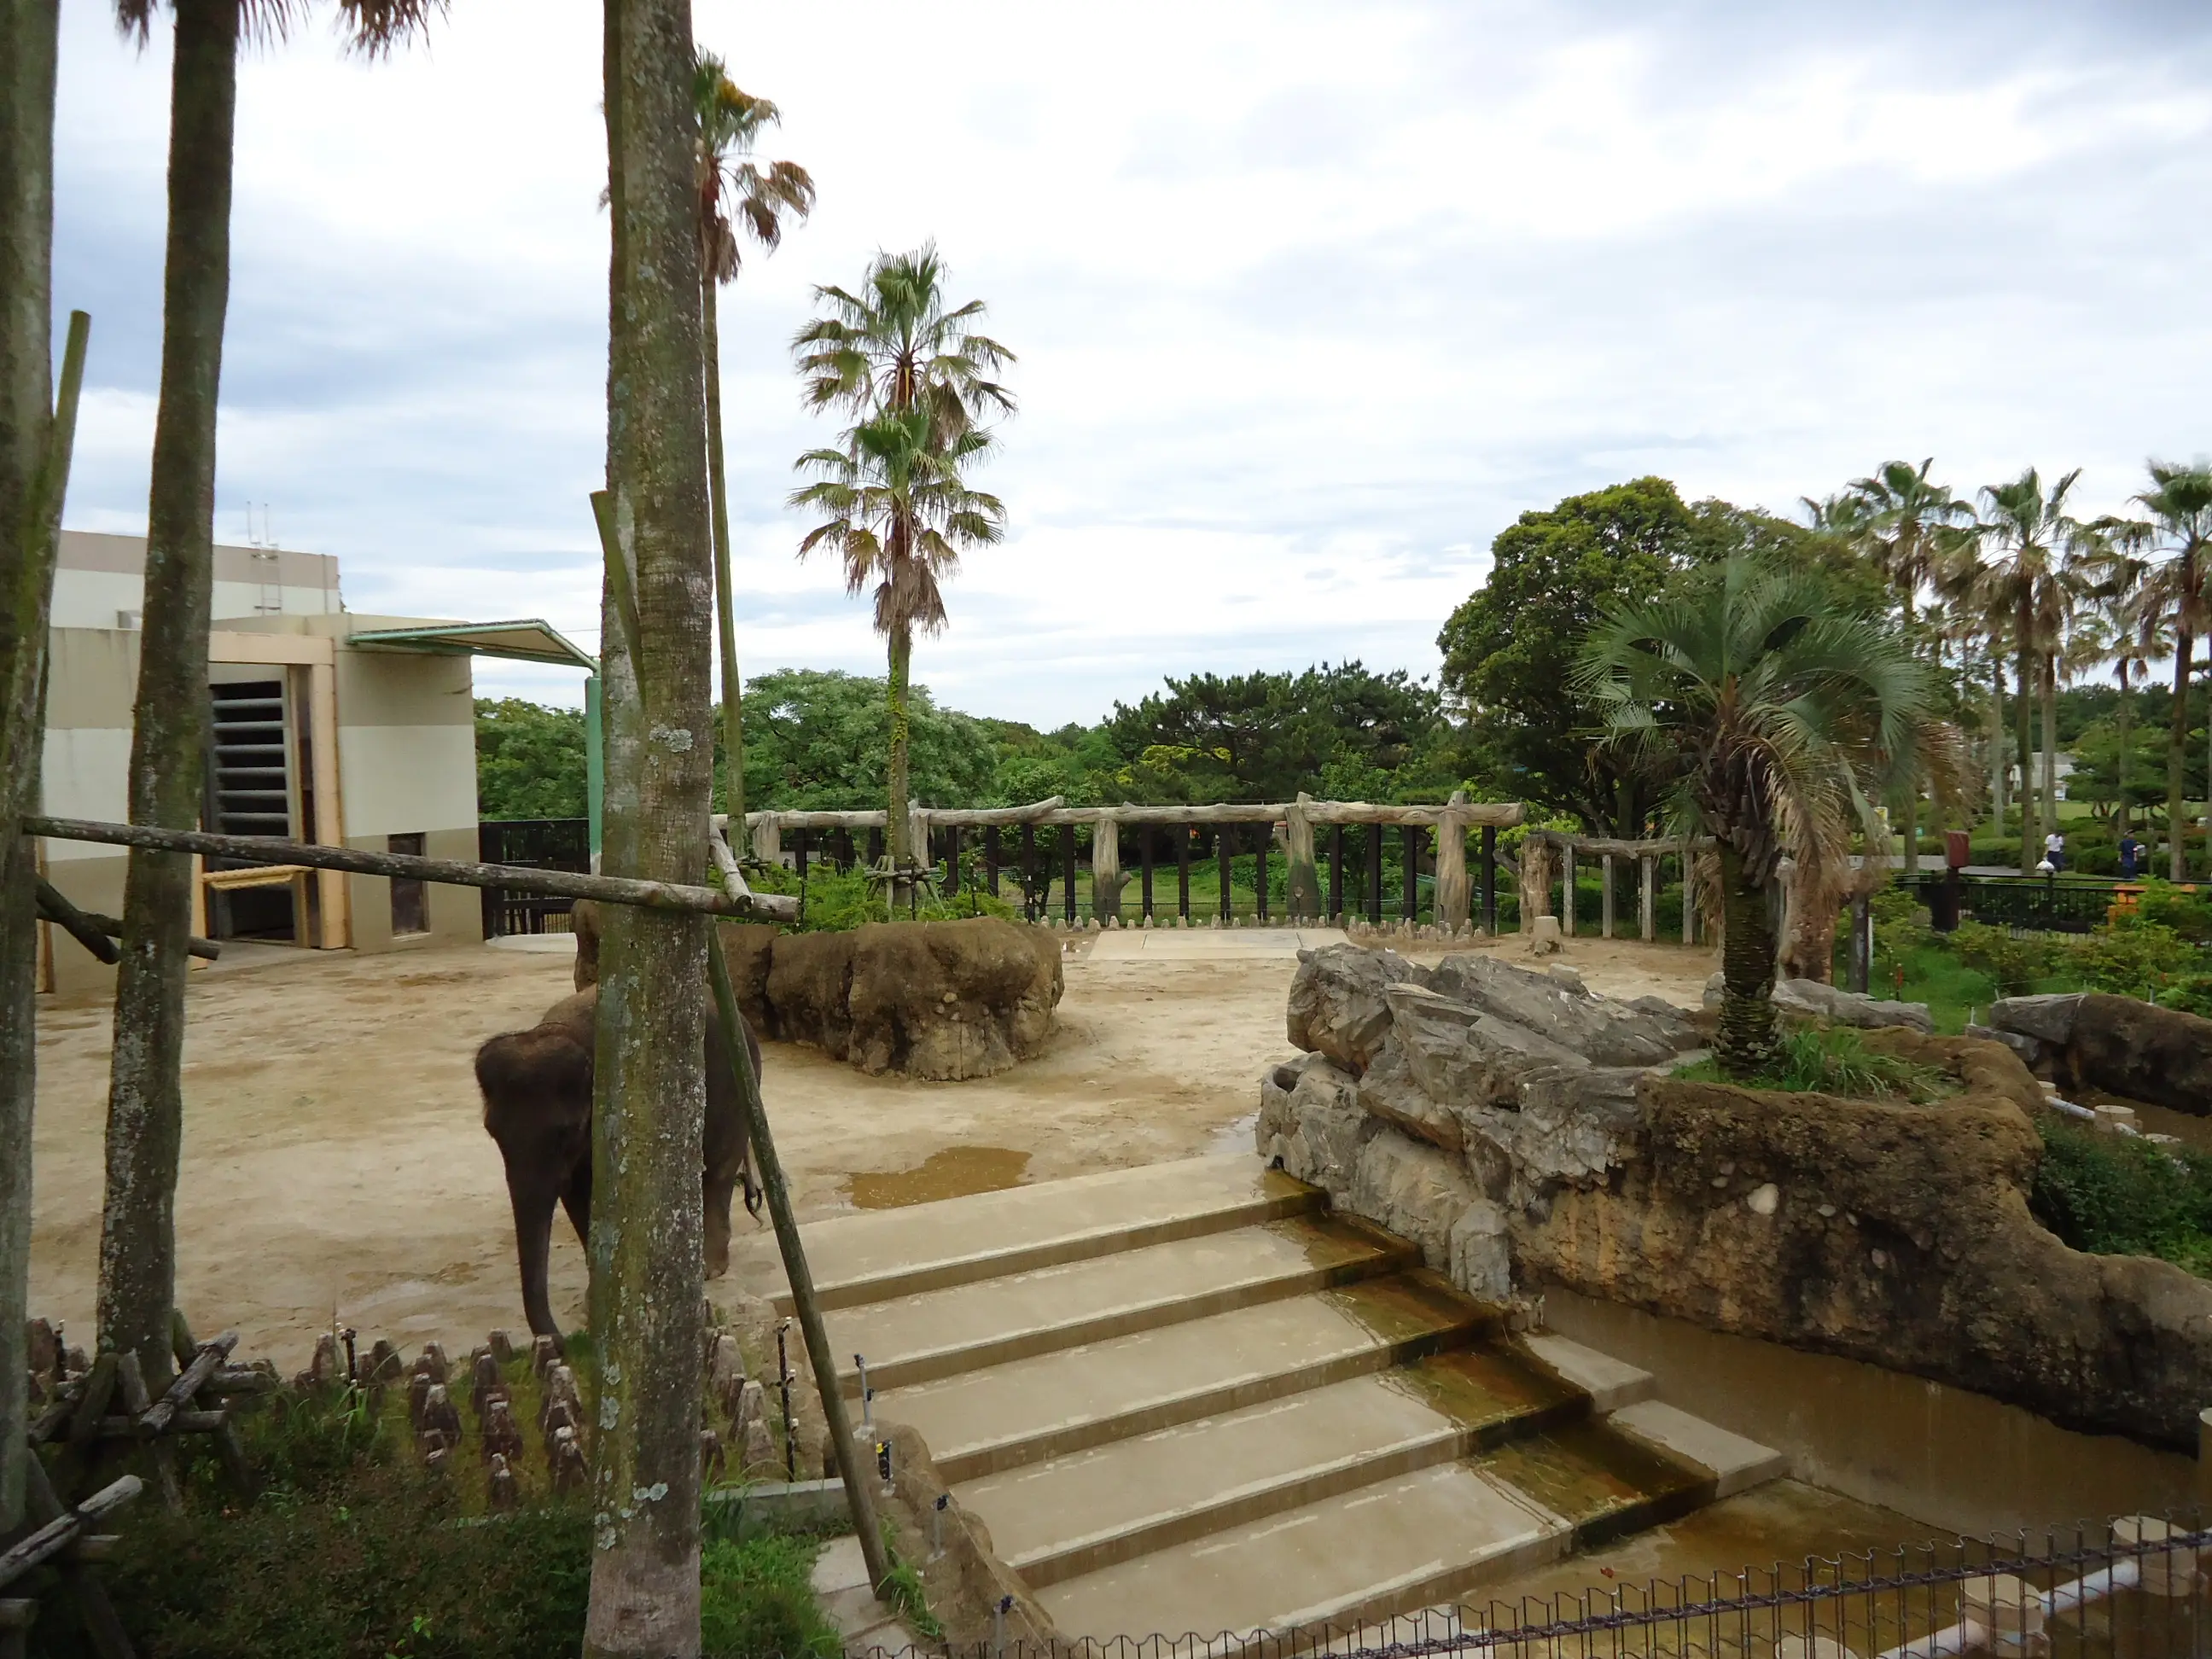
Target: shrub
x: 2124, y: 1195
x: 2191, y: 993
x: 836, y: 902
x: 2189, y: 914
x: 2013, y: 964
x: 2129, y: 956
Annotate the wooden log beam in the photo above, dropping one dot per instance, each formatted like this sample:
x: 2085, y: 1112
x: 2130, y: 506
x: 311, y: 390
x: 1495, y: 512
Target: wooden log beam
x: 59, y: 1534
x: 204, y: 1364
x: 97, y: 932
x: 181, y: 1421
x: 1451, y: 893
x: 768, y: 907
x: 552, y: 883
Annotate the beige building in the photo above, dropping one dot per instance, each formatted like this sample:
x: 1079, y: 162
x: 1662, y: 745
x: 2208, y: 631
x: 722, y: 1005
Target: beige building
x: 326, y: 727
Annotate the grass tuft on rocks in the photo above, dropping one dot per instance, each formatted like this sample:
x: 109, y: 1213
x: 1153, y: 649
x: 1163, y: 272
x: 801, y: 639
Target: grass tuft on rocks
x: 2122, y: 1195
x: 1810, y: 1060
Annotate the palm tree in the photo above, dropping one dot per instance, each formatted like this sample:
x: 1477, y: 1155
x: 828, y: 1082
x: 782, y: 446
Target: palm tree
x: 734, y: 191
x: 1908, y: 525
x: 2176, y: 599
x: 898, y: 512
x: 2043, y: 560
x: 894, y: 344
x: 891, y: 351
x: 1780, y: 724
x: 168, y: 743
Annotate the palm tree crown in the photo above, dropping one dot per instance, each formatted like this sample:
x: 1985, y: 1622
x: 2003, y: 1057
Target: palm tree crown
x: 895, y: 344
x: 734, y: 189
x: 1777, y: 722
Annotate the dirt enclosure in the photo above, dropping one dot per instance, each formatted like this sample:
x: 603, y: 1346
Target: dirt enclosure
x: 334, y: 1163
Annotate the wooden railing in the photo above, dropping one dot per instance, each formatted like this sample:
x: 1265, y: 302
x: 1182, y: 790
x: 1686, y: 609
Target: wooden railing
x: 1551, y: 857
x: 1434, y: 835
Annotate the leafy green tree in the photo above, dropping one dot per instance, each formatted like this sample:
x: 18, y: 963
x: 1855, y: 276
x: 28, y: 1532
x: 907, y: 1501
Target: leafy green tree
x: 735, y: 193
x: 897, y: 513
x: 1778, y: 721
x: 821, y: 741
x: 1265, y: 737
x: 1510, y: 651
x: 530, y: 760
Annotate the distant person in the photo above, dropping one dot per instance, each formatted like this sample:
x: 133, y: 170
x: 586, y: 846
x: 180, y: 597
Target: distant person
x: 2131, y: 853
x: 2054, y: 850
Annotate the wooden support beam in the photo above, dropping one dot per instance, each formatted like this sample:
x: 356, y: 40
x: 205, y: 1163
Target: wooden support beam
x: 1183, y: 874
x: 1647, y: 899
x: 1145, y: 866
x: 1452, y: 902
x: 1225, y: 856
x: 57, y: 1536
x: 1605, y: 903
x: 1567, y: 894
x: 556, y: 883
x: 97, y: 932
x: 1490, y: 879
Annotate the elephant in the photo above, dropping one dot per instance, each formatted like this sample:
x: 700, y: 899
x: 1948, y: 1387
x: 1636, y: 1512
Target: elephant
x: 537, y: 1087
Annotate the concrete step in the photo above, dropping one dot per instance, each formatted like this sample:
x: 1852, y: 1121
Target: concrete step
x: 940, y: 1333
x: 1610, y: 1383
x: 1078, y: 1514
x: 1602, y: 1483
x: 1732, y: 1463
x: 1002, y: 1417
x: 927, y: 1246
x: 1389, y: 1547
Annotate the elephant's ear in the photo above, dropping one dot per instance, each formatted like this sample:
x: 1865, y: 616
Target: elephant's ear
x: 534, y: 1080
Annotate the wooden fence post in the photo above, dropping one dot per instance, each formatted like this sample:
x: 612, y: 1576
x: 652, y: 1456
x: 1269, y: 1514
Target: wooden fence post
x: 1336, y: 872
x: 1303, y: 901
x: 1375, y: 873
x: 1567, y: 889
x: 1144, y: 860
x: 1605, y: 903
x: 768, y: 840
x: 1647, y: 900
x: 1067, y: 871
x: 1490, y: 880
x: 1105, y: 869
x: 1451, y: 901
x: 1182, y: 871
x: 991, y: 858
x: 1224, y: 854
x: 1410, y: 849
x: 1029, y: 881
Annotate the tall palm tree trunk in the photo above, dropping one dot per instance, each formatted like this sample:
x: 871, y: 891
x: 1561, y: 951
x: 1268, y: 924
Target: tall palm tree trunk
x: 902, y: 655
x: 2024, y: 748
x: 2177, y: 752
x: 29, y: 527
x: 648, y: 1287
x: 168, y: 743
x: 2126, y: 738
x: 1996, y: 743
x: 1911, y: 825
x: 733, y: 728
x: 1745, y: 1041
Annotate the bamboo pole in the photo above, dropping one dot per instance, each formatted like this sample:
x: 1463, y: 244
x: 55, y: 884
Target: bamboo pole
x: 556, y: 883
x: 850, y: 1467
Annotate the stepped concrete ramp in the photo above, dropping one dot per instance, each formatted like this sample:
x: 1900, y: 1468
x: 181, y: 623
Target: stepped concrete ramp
x: 1190, y: 1399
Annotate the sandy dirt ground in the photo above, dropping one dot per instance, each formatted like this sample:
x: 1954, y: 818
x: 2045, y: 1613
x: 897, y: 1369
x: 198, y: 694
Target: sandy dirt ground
x: 334, y: 1165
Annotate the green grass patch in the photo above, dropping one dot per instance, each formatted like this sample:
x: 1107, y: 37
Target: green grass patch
x: 2121, y: 1195
x: 1836, y: 1062
x: 756, y: 1597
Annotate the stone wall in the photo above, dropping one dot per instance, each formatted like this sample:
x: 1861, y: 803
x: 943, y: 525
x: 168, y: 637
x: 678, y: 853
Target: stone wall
x: 1526, y: 1133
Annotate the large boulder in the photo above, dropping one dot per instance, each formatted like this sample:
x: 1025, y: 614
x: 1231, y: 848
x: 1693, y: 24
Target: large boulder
x: 1311, y: 1123
x: 1336, y: 1005
x: 1558, y: 1007
x: 944, y: 1000
x: 1424, y: 1195
x: 809, y: 979
x: 2142, y: 1051
x: 1461, y: 1055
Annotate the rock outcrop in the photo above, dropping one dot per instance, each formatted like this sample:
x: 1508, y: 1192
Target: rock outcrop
x: 1809, y: 999
x: 940, y: 1000
x: 2114, y: 1044
x: 1881, y: 1231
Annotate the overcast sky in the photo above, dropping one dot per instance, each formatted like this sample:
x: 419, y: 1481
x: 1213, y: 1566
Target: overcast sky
x: 1310, y: 301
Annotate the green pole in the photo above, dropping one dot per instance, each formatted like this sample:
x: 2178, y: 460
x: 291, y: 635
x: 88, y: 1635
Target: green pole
x: 595, y: 762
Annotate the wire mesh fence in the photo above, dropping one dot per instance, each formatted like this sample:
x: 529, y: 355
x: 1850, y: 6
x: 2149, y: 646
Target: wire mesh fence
x: 2132, y: 1589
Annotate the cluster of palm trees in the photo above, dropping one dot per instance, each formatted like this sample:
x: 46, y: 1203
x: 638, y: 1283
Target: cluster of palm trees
x: 2017, y: 581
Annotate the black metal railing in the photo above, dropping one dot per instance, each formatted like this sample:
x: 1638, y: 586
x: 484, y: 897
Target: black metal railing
x: 2027, y: 905
x: 2132, y: 1589
x: 535, y: 843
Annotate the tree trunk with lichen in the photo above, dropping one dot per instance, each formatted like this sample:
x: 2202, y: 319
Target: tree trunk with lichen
x: 1744, y: 1042
x: 168, y: 743
x: 725, y: 604
x: 2177, y: 747
x: 898, y: 827
x: 2023, y: 745
x: 29, y: 524
x: 647, y: 1270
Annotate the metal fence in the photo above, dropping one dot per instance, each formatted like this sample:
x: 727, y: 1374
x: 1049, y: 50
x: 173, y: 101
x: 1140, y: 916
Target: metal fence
x: 536, y: 843
x: 2134, y: 1589
x: 2027, y: 905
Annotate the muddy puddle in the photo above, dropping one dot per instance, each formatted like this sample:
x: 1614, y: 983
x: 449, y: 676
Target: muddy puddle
x: 956, y: 1172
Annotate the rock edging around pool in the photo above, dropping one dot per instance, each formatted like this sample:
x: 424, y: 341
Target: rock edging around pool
x: 1883, y: 1231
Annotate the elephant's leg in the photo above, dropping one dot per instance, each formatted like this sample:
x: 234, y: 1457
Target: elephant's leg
x: 533, y: 1202
x: 576, y: 1198
x: 717, y: 1191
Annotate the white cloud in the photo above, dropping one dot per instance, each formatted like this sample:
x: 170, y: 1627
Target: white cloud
x: 1310, y: 299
